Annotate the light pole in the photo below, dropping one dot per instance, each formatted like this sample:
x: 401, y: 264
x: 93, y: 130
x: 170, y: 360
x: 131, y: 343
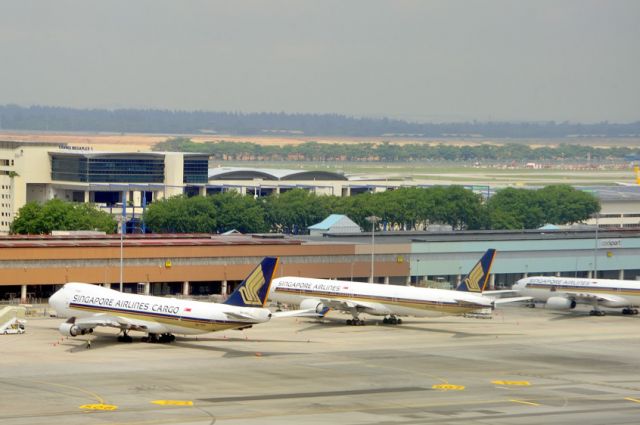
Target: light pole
x: 123, y: 224
x: 373, y: 220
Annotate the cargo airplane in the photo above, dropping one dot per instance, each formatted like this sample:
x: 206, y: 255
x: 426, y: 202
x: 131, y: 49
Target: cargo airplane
x: 391, y: 301
x: 564, y: 293
x: 88, y: 306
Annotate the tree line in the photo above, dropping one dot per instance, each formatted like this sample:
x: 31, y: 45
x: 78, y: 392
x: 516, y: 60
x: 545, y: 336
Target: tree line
x: 389, y: 152
x: 51, y: 118
x: 401, y: 209
x: 295, y: 210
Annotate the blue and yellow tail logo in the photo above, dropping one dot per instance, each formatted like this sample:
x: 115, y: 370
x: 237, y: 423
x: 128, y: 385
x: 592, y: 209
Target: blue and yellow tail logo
x: 477, y: 279
x: 253, y: 291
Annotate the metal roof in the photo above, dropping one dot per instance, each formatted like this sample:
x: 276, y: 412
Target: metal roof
x: 328, y: 222
x: 239, y: 173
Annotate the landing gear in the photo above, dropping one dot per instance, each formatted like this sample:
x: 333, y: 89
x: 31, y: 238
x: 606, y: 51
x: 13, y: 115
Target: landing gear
x: 166, y: 338
x: 629, y: 311
x: 595, y: 312
x: 392, y: 320
x: 162, y: 339
x: 356, y: 321
x: 124, y: 337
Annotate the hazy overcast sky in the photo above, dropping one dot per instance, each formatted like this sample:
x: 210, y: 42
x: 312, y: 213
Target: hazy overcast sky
x: 423, y: 60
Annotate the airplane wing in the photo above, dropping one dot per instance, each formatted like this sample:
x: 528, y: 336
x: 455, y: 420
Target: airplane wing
x: 498, y: 301
x: 310, y: 312
x: 349, y: 305
x: 500, y: 292
x: 105, y: 320
x: 604, y: 299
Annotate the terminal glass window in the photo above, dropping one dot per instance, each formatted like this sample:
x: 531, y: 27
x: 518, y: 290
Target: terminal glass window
x: 196, y: 170
x: 107, y: 170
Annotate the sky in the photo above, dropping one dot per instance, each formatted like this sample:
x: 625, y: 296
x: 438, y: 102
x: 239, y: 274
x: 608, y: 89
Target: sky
x: 422, y: 60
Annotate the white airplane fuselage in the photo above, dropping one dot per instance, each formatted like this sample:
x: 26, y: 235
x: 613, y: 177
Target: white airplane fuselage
x: 377, y: 299
x: 610, y: 293
x: 152, y: 314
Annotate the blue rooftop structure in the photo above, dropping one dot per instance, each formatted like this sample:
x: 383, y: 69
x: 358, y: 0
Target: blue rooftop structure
x: 335, y: 223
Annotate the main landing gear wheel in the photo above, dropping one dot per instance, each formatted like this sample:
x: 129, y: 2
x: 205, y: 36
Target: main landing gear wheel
x: 355, y: 322
x: 162, y: 339
x: 124, y: 337
x: 392, y: 320
x: 597, y: 313
x: 630, y: 311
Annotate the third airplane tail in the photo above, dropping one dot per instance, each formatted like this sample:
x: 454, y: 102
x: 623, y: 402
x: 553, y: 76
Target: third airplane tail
x: 253, y: 291
x: 477, y: 279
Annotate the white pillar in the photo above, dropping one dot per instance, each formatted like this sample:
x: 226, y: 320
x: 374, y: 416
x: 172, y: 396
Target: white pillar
x: 223, y: 288
x: 492, y: 282
x: 557, y: 274
x: 185, y: 288
x: 590, y: 274
x: 458, y: 280
x: 386, y: 280
x: 621, y: 274
x: 147, y: 288
x: 407, y: 281
x: 136, y: 198
x: 23, y: 294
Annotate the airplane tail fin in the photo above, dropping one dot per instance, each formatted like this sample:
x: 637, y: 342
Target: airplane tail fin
x: 253, y: 291
x: 477, y: 279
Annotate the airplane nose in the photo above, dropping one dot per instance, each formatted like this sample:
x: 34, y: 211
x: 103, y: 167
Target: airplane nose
x: 56, y: 300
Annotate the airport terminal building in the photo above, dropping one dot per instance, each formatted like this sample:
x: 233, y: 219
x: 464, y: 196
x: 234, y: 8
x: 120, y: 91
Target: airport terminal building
x: 33, y: 267
x: 44, y: 171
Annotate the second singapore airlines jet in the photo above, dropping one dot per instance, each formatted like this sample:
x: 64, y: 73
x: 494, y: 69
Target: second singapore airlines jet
x: 320, y: 295
x: 564, y: 293
x: 89, y: 306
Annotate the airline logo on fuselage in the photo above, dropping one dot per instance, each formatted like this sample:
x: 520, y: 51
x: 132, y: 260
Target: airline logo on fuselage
x: 473, y: 281
x: 249, y: 292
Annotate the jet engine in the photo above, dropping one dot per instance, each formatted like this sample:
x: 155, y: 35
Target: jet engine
x: 69, y: 329
x: 560, y: 303
x: 311, y: 304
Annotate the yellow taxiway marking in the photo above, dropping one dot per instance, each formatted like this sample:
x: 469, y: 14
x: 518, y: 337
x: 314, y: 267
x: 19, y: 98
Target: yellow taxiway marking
x: 514, y: 383
x: 635, y: 400
x: 98, y: 406
x: 447, y: 387
x: 173, y: 402
x: 530, y: 403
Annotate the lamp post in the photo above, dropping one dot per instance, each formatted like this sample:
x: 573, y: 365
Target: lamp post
x: 373, y: 220
x: 123, y: 224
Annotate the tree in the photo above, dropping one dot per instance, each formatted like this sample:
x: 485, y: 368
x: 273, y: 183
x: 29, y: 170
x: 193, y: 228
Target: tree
x: 34, y: 218
x: 295, y: 210
x: 529, y: 209
x: 564, y: 204
x: 240, y: 212
x: 180, y: 214
x: 515, y: 209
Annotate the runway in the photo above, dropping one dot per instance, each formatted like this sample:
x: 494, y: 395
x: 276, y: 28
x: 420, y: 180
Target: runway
x: 523, y: 366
